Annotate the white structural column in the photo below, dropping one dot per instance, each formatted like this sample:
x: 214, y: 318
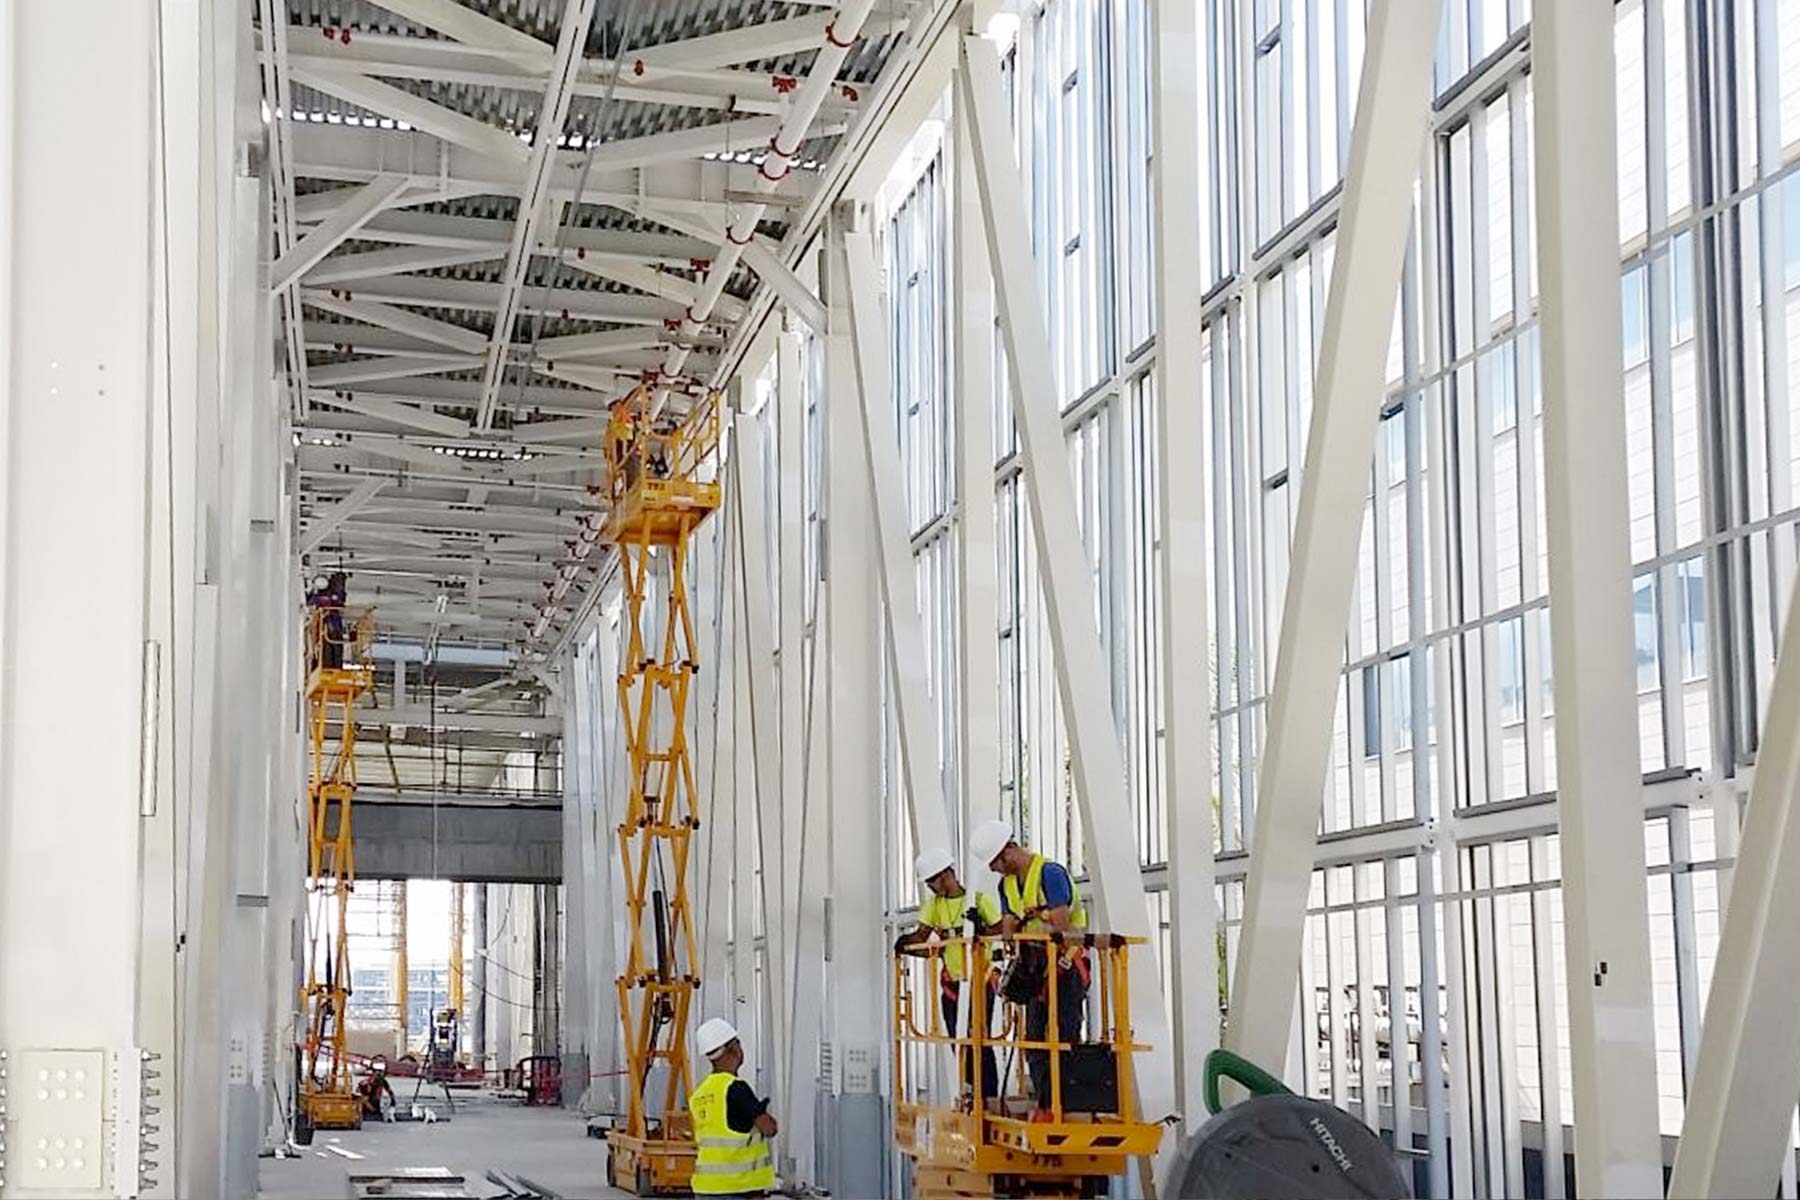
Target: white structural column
x: 76, y: 365
x: 790, y: 526
x: 906, y: 656
x: 714, y: 767
x: 1066, y: 575
x: 1391, y: 114
x: 804, y: 843
x: 856, y: 960
x: 741, y: 851
x: 1740, y: 1106
x: 756, y: 645
x: 576, y: 1006
x: 1600, y: 802
x: 1181, y: 505
x: 977, y: 578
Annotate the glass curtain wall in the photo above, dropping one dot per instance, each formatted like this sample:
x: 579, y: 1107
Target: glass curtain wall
x: 1446, y: 710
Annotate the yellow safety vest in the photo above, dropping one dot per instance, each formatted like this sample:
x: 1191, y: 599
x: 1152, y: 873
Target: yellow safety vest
x: 945, y: 914
x: 726, y: 1161
x: 1031, y: 897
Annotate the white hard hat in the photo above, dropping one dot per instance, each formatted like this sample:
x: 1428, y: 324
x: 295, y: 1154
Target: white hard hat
x: 988, y: 840
x: 714, y: 1036
x: 931, y: 862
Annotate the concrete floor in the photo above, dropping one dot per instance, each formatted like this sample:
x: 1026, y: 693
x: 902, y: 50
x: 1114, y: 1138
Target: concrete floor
x: 549, y: 1146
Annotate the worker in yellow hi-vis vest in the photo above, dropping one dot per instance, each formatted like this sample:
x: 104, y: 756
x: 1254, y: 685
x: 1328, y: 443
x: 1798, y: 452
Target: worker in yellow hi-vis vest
x: 942, y: 915
x: 1039, y: 896
x: 732, y: 1127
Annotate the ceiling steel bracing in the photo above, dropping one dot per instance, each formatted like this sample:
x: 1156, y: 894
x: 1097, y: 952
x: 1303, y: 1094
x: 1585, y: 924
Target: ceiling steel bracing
x: 494, y: 217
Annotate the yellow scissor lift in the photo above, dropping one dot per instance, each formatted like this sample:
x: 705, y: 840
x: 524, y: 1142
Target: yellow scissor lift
x: 336, y: 679
x: 664, y: 483
x: 1008, y: 1145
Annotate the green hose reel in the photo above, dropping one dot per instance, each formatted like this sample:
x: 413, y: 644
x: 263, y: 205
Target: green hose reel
x: 1223, y: 1064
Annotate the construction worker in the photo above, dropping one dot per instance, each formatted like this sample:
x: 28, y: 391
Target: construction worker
x: 376, y: 1093
x: 732, y: 1127
x: 1039, y: 896
x: 621, y: 440
x: 942, y: 913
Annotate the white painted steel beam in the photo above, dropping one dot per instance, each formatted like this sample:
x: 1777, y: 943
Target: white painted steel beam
x: 433, y: 292
x: 600, y: 379
x: 1599, y: 788
x: 347, y: 153
x: 434, y: 119
x: 719, y: 137
x: 398, y: 56
x: 580, y: 429
x: 324, y: 523
x: 394, y: 366
x: 906, y: 655
x: 473, y: 29
x: 535, y: 207
x: 646, y: 278
x: 771, y: 39
x: 1181, y: 483
x: 372, y: 264
x: 604, y: 342
x: 402, y: 227
x: 1391, y: 121
x: 352, y: 213
x: 1065, y: 573
x: 400, y: 320
x: 795, y: 294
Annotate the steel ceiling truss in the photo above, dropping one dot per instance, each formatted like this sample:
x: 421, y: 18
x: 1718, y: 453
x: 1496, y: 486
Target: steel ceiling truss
x: 494, y: 220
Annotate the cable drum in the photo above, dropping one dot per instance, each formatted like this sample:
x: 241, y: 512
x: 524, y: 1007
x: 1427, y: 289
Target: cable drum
x: 1276, y: 1145
x: 1285, y: 1147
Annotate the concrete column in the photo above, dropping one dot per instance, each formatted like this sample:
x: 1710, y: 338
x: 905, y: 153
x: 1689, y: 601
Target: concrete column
x: 856, y: 962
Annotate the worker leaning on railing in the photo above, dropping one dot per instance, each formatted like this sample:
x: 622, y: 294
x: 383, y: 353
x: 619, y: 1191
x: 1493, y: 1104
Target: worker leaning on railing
x: 942, y: 914
x: 1038, y: 896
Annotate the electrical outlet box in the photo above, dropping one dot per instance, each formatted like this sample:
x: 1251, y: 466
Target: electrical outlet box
x: 237, y: 1060
x: 56, y: 1133
x: 859, y: 1068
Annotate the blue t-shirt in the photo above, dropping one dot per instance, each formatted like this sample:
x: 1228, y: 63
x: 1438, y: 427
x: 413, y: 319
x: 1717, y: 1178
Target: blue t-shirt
x: 1058, y: 888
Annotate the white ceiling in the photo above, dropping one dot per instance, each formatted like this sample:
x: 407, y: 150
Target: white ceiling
x: 450, y: 363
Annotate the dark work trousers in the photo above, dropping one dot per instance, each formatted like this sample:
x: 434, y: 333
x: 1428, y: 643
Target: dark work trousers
x: 990, y: 1075
x: 1071, y: 1007
x: 334, y: 639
